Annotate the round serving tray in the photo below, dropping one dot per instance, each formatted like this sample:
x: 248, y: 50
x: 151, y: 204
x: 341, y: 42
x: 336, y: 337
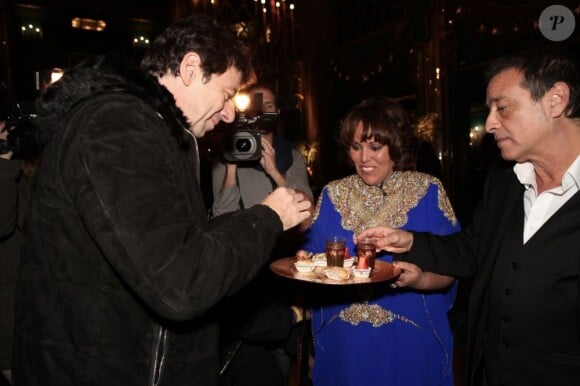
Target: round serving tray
x: 383, y: 271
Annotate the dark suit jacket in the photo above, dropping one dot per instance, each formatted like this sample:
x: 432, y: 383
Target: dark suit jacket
x: 539, y: 316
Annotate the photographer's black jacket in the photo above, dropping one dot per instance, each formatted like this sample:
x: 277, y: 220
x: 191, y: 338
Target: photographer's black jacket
x: 121, y: 267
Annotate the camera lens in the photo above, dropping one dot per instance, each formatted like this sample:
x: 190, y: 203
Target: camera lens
x: 243, y: 145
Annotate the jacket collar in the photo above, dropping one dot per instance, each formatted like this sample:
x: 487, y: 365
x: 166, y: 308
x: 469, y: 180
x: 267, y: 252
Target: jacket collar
x: 103, y: 74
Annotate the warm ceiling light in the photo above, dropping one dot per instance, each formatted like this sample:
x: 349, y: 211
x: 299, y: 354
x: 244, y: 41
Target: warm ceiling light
x: 242, y: 101
x: 141, y: 40
x: 88, y: 24
x: 55, y: 74
x: 31, y: 30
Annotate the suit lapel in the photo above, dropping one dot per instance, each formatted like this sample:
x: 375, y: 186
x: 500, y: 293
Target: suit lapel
x: 506, y: 202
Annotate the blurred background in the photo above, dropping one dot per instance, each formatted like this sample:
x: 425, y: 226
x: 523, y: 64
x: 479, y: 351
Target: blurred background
x: 323, y: 57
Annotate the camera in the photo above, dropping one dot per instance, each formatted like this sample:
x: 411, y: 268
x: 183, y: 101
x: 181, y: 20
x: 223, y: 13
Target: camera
x: 243, y: 143
x: 22, y: 139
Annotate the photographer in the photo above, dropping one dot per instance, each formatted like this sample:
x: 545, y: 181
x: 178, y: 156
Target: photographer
x: 258, y: 321
x: 238, y: 185
x: 17, y: 165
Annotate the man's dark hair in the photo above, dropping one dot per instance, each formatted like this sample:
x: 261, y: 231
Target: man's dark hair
x: 217, y: 46
x: 541, y: 69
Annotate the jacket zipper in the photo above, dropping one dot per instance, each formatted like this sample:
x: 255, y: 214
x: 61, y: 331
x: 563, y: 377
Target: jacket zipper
x: 158, y: 354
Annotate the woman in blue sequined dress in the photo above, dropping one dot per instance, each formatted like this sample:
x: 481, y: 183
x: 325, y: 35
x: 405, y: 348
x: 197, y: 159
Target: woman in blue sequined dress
x: 373, y: 334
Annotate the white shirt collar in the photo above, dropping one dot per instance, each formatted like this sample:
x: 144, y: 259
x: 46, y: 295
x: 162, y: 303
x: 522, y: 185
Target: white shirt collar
x: 525, y: 174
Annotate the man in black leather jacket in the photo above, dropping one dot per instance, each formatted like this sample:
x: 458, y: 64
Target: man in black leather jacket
x: 121, y: 267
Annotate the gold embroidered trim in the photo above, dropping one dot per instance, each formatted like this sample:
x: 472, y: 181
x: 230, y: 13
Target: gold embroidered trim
x: 371, y: 313
x: 362, y: 206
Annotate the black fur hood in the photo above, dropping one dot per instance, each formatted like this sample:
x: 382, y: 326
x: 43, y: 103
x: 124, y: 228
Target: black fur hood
x: 105, y: 74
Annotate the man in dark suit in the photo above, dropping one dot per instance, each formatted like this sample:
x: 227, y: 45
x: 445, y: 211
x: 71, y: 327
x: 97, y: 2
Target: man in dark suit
x: 522, y: 246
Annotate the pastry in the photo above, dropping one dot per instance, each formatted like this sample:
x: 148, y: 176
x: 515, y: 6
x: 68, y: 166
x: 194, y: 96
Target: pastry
x: 336, y: 273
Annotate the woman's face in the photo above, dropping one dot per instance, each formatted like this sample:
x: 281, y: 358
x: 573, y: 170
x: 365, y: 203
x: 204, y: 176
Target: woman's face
x: 371, y: 159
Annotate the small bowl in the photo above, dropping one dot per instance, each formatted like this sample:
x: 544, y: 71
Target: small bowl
x: 361, y: 272
x: 348, y: 262
x: 320, y: 263
x: 303, y: 266
x: 319, y: 259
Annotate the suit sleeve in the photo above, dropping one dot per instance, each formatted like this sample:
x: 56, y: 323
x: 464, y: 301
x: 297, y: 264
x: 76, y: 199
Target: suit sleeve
x: 455, y: 254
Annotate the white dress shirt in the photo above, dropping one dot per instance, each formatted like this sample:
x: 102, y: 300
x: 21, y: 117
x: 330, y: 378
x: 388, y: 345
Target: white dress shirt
x: 539, y: 208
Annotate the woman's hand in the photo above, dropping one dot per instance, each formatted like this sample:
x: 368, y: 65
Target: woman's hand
x: 414, y: 277
x: 268, y: 160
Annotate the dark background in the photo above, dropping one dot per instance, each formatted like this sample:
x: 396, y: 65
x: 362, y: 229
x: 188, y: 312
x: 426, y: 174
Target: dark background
x: 322, y: 58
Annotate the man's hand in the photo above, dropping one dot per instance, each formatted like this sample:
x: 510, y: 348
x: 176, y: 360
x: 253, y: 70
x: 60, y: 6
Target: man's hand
x: 400, y: 241
x: 290, y: 206
x: 389, y: 239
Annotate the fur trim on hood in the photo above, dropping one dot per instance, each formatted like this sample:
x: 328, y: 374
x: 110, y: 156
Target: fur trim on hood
x: 100, y: 75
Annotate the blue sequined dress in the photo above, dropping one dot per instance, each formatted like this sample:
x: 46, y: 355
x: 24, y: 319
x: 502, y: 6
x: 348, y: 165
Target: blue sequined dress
x: 370, y: 334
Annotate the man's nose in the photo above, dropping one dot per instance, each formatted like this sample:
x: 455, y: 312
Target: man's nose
x: 229, y: 111
x: 491, y: 123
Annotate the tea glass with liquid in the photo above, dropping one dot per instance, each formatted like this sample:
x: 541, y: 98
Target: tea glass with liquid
x: 335, y: 251
x: 366, y: 251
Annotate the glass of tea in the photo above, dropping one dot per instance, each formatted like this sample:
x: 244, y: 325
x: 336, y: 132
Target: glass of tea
x: 366, y: 251
x: 335, y: 251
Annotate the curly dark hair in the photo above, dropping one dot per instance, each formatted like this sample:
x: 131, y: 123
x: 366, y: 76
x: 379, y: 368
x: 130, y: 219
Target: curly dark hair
x: 388, y: 123
x: 217, y: 46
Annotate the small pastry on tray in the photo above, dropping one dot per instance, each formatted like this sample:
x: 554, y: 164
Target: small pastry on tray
x: 336, y: 273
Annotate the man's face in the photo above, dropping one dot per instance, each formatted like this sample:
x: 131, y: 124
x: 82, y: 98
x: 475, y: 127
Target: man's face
x: 209, y: 101
x: 520, y: 125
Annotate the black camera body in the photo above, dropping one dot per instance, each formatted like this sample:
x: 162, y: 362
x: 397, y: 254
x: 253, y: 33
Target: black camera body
x: 243, y: 143
x: 22, y: 139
